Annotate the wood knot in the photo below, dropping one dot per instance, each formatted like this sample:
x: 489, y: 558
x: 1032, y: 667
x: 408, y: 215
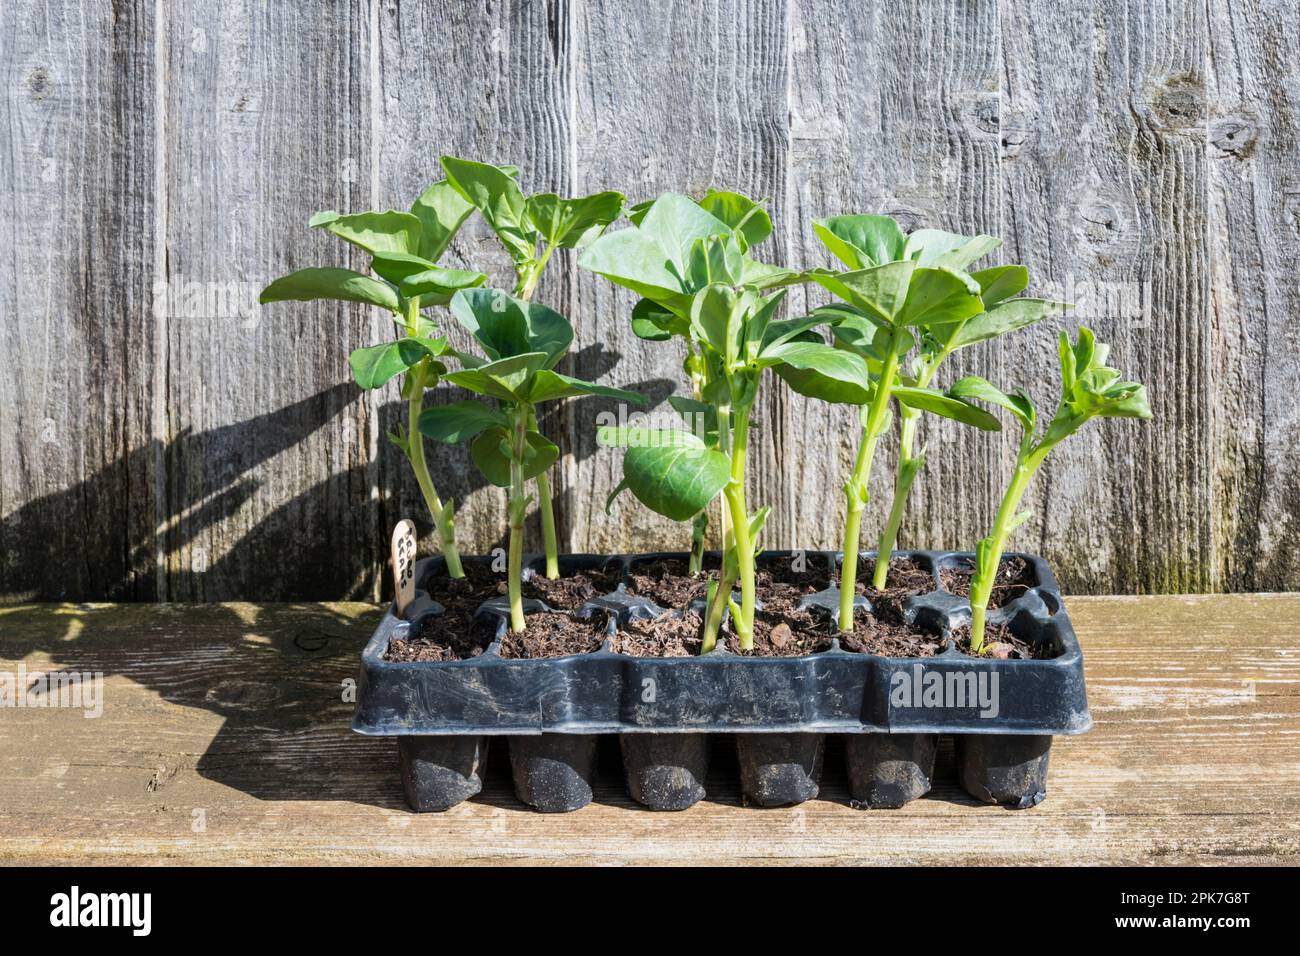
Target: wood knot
x: 1234, y: 136
x: 39, y: 83
x: 1178, y: 103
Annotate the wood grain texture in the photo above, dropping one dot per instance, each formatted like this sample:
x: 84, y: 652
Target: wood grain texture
x: 224, y: 739
x: 162, y: 437
x: 667, y: 101
x: 77, y: 465
x: 894, y: 111
x: 1254, y: 234
x: 267, y: 485
x: 1105, y: 187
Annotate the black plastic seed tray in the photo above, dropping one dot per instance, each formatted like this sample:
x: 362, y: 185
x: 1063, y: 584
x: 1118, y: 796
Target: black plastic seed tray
x: 1003, y: 713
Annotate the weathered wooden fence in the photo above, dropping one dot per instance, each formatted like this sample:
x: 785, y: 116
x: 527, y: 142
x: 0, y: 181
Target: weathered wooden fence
x: 163, y: 437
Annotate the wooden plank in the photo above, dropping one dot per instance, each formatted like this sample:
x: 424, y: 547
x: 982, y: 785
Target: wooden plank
x: 664, y: 101
x: 267, y: 483
x: 893, y: 110
x: 1105, y: 197
x: 224, y: 739
x: 77, y: 499
x: 1254, y: 235
x: 506, y: 103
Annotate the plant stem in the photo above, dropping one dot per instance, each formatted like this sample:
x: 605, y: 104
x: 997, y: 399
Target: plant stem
x: 517, y: 505
x: 717, y: 604
x: 735, y: 495
x: 443, y: 517
x: 909, y: 466
x: 855, y: 489
x: 989, y: 556
x: 532, y: 272
x: 698, y: 530
x: 548, y: 515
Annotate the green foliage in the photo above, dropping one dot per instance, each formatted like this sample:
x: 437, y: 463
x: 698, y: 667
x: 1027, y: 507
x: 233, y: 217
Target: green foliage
x: 521, y: 342
x: 530, y: 227
x: 1089, y: 389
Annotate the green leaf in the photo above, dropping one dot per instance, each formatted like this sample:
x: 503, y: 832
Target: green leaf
x: 974, y: 387
x: 547, y: 385
x: 395, y: 266
x: 389, y: 231
x: 675, y: 222
x: 636, y: 261
x: 940, y: 249
x: 495, y: 194
x: 715, y: 320
x: 507, y: 326
x: 436, y: 285
x: 1001, y: 282
x: 308, y: 284
x: 714, y: 260
x: 634, y: 436
x: 939, y: 296
x: 677, y: 481
x: 375, y: 365
x: 779, y: 331
x: 459, y: 421
x: 762, y: 276
x: 442, y: 210
x: 748, y: 220
x: 821, y: 371
x: 652, y: 322
x: 861, y: 241
x: 567, y: 223
x: 880, y: 291
x: 1004, y: 318
x: 488, y: 452
x: 937, y: 403
x: 502, y: 379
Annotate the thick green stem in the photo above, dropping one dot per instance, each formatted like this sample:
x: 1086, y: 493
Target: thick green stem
x: 548, y: 515
x: 739, y: 511
x: 699, y: 529
x: 548, y: 526
x: 990, y: 549
x: 518, y: 504
x: 443, y: 517
x: 531, y: 273
x: 855, y: 490
x: 909, y: 467
x: 717, y: 604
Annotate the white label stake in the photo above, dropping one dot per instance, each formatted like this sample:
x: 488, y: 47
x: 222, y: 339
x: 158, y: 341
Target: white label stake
x: 404, y: 564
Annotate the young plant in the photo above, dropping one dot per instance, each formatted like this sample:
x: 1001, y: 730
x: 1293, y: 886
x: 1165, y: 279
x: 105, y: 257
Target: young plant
x: 915, y: 292
x: 404, y: 249
x: 1089, y: 389
x: 531, y: 229
x: 522, y: 342
x: 693, y: 269
x: 862, y: 241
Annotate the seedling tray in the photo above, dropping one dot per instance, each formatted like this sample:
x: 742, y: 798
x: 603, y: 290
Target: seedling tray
x: 1001, y: 713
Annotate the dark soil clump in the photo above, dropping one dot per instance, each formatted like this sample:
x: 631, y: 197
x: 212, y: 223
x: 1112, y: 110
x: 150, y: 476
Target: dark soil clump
x: 667, y: 584
x: 455, y: 635
x: 1015, y: 577
x: 905, y: 578
x: 554, y: 635
x: 890, y: 636
x: 782, y: 628
x: 670, y: 635
x: 1001, y: 643
x: 569, y: 592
